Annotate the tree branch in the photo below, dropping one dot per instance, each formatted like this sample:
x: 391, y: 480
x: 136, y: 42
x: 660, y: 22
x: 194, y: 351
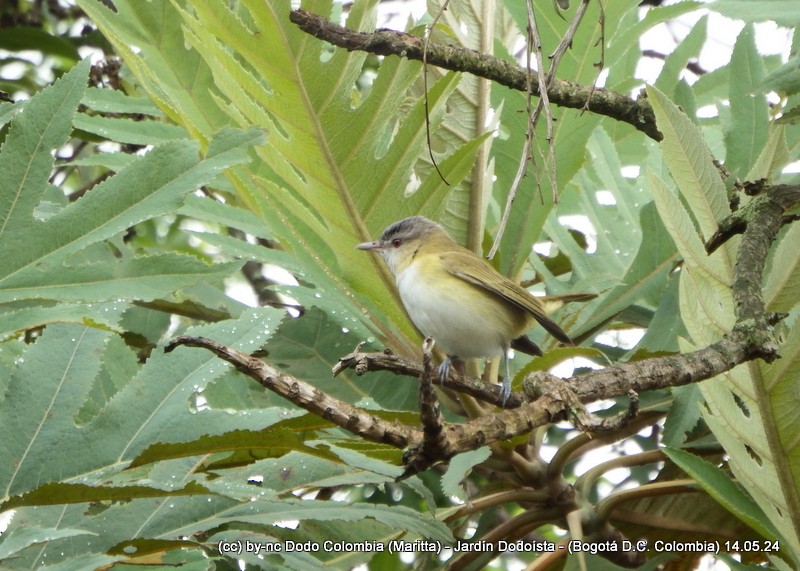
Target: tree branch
x: 637, y: 113
x: 306, y: 395
x: 749, y: 339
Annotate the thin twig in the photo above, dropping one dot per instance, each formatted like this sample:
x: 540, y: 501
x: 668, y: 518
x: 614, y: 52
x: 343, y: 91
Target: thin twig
x: 427, y: 37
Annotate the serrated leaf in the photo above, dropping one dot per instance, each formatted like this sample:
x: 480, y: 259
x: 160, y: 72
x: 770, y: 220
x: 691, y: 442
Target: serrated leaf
x: 48, y: 446
x: 237, y: 248
x: 783, y: 277
x: 54, y: 494
x: 644, y: 280
x: 773, y: 156
x: 786, y: 78
x: 752, y: 415
x: 8, y: 111
x: 683, y: 415
x: 666, y: 327
x: 143, y: 277
x: 25, y: 158
x: 690, y: 164
x: 459, y: 468
x: 360, y: 454
x: 226, y: 214
x: 309, y: 346
x: 64, y: 363
x: 129, y: 131
x: 21, y: 317
x: 397, y: 517
x: 749, y: 123
x: 706, y: 307
x: 253, y: 445
x: 119, y: 364
x: 679, y: 224
x: 21, y: 537
x: 675, y: 63
x: 784, y: 12
x: 153, y: 185
x: 113, y: 101
x: 720, y: 486
x: 301, y: 471
x: 112, y: 161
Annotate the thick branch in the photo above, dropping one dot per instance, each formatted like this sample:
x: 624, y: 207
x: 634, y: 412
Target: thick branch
x: 781, y: 196
x: 637, y: 113
x: 306, y: 395
x: 750, y: 339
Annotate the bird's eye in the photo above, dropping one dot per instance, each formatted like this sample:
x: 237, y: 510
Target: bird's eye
x: 396, y: 242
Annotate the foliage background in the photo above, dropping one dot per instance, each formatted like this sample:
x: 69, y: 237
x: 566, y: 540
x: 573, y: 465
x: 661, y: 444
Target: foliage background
x: 232, y: 141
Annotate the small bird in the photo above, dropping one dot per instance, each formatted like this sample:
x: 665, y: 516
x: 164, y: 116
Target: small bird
x: 458, y: 298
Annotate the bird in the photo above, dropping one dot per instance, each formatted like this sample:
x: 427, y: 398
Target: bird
x: 456, y: 297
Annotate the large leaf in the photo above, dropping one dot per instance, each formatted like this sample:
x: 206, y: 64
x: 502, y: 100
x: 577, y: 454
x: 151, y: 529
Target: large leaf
x: 784, y: 12
x: 55, y: 252
x: 745, y: 408
x: 747, y: 134
x: 720, y: 487
x: 334, y: 171
x: 45, y: 445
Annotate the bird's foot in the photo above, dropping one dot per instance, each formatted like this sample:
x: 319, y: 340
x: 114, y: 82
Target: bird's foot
x: 505, y: 389
x: 444, y: 369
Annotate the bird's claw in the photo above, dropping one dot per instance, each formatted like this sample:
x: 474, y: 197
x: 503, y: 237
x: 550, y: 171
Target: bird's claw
x: 505, y: 390
x: 444, y: 370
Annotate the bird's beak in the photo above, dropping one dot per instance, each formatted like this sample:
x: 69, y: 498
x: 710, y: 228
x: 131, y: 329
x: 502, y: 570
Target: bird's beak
x: 370, y: 246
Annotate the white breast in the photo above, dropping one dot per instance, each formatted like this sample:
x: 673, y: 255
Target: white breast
x: 459, y: 329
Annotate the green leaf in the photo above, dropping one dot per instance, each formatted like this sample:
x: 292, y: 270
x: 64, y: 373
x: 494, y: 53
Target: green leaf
x: 783, y: 275
x: 22, y: 316
x: 230, y: 215
x: 645, y: 279
x: 153, y: 185
x: 119, y: 365
x: 143, y: 277
x: 308, y: 347
x: 129, y: 131
x: 784, y: 12
x: 679, y: 224
x: 773, y: 157
x: 720, y: 486
x: 269, y: 443
x: 690, y: 164
x: 746, y: 136
x: 396, y: 517
x: 157, y: 404
x: 752, y: 415
x: 675, y: 63
x: 786, y: 78
x: 666, y: 327
x: 110, y: 161
x: 8, y: 111
x: 459, y: 468
x: 297, y: 470
x: 20, y: 38
x: 113, y: 101
x: 683, y: 415
x: 25, y: 157
x: 64, y: 363
x: 19, y: 538
x: 59, y: 494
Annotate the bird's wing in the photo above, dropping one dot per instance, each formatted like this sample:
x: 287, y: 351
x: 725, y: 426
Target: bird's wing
x: 483, y: 275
